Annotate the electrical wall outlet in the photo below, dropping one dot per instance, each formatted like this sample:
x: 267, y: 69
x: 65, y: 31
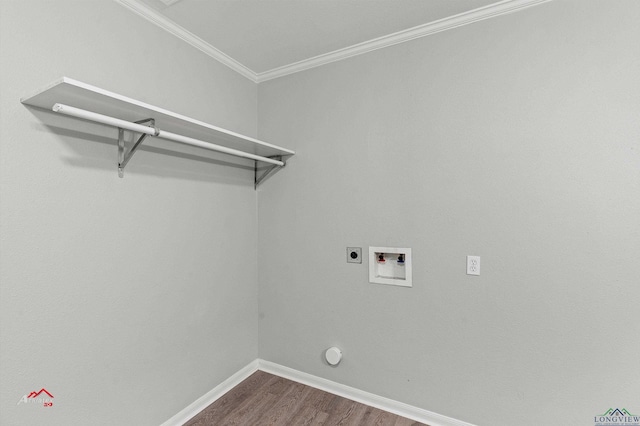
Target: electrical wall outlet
x: 354, y: 254
x: 473, y: 265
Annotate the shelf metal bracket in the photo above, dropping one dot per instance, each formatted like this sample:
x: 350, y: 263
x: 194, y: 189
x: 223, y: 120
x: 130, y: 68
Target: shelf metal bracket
x: 258, y: 178
x: 124, y: 157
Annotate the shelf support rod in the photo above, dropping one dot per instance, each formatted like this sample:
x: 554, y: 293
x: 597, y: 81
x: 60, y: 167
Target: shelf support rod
x: 124, y: 157
x: 162, y: 134
x: 259, y: 178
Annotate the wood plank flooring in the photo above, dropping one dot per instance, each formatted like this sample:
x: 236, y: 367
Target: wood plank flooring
x: 265, y: 399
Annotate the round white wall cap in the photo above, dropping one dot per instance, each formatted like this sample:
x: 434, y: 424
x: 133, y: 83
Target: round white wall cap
x: 333, y: 355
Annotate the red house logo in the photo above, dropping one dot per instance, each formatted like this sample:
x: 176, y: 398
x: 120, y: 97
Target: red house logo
x: 43, y: 397
x: 35, y: 394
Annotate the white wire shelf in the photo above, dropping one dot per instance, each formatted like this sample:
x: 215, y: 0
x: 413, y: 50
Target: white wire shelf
x: 81, y: 100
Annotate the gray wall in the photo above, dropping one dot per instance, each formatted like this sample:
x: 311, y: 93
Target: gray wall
x: 515, y: 139
x: 126, y: 298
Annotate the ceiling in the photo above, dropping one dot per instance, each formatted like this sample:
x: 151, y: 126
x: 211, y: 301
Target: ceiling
x: 272, y: 37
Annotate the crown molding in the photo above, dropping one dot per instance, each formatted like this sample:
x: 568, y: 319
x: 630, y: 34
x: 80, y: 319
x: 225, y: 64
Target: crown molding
x: 168, y: 25
x: 490, y: 11
x: 496, y: 9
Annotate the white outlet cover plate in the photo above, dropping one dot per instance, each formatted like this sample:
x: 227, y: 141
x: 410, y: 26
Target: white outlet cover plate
x: 473, y: 265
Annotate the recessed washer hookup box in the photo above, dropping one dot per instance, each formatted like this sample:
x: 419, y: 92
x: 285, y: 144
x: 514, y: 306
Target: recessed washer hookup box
x: 390, y: 265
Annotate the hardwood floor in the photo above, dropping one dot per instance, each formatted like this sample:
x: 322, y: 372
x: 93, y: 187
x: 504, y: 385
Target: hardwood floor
x: 265, y: 399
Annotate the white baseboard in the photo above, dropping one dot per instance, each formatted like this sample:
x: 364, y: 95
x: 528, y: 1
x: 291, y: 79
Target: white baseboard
x: 386, y: 404
x: 207, y: 399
